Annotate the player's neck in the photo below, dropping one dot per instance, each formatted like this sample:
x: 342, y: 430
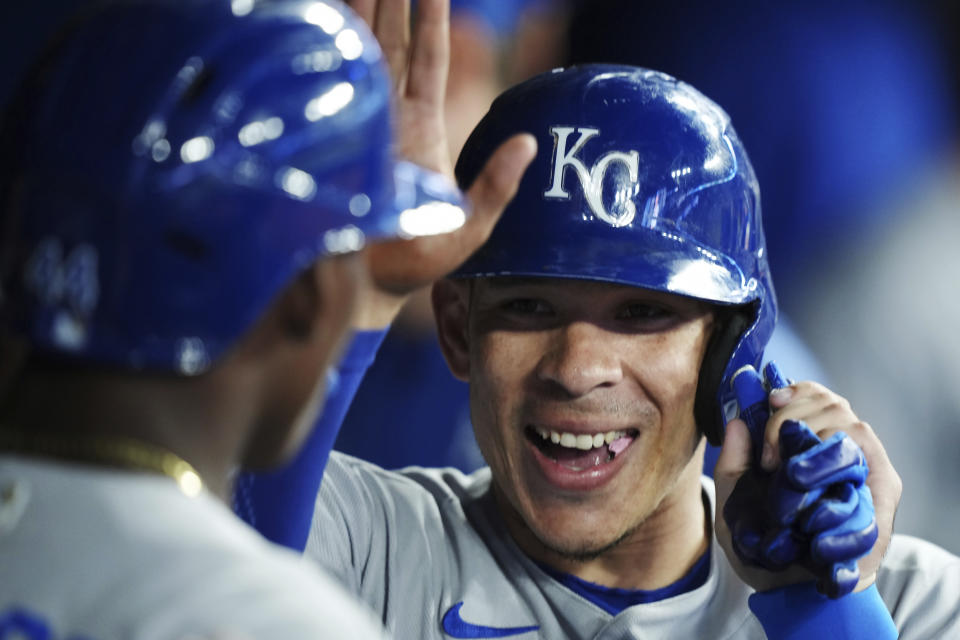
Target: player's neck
x: 654, y: 555
x: 163, y: 413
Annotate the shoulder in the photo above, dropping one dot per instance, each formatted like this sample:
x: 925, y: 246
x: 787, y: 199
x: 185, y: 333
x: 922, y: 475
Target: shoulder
x: 402, y: 540
x: 919, y: 582
x: 242, y: 584
x: 911, y: 563
x: 274, y: 594
x: 366, y: 504
x: 346, y: 476
x: 155, y: 563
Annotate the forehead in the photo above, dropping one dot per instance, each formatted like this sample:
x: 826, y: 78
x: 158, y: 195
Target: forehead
x: 574, y: 288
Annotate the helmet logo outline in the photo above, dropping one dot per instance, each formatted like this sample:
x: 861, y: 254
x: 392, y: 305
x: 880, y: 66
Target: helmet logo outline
x: 591, y: 180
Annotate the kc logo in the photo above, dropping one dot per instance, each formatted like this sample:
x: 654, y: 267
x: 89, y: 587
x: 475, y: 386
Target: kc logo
x: 591, y: 180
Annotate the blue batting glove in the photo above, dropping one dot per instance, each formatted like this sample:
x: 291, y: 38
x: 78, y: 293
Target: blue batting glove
x: 815, y: 510
x: 836, y: 459
x: 852, y: 538
x: 774, y: 377
x: 836, y: 506
x: 754, y: 406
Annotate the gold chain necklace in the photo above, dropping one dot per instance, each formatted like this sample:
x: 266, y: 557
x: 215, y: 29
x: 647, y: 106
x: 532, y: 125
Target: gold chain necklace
x: 125, y: 453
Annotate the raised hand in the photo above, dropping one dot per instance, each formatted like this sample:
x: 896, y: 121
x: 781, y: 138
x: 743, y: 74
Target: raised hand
x: 419, y: 62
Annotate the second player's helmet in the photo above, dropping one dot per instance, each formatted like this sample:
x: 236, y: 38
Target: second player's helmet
x: 641, y: 180
x: 170, y: 165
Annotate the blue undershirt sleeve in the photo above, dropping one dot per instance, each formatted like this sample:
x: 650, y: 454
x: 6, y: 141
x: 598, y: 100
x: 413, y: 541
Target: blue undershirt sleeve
x: 279, y: 504
x: 799, y: 612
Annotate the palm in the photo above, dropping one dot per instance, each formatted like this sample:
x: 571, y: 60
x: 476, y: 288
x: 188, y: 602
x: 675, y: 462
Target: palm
x: 419, y: 63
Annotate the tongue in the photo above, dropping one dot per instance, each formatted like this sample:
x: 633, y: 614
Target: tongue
x: 578, y: 460
x: 619, y: 444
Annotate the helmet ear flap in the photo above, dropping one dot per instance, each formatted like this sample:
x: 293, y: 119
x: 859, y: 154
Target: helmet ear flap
x: 729, y: 327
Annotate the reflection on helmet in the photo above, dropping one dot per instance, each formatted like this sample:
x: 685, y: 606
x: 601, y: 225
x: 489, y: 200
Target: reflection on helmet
x: 170, y: 166
x: 641, y: 180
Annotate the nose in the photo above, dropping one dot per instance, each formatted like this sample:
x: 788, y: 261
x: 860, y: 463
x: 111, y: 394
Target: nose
x: 581, y: 357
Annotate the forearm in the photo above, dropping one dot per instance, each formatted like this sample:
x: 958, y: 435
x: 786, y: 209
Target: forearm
x: 279, y: 504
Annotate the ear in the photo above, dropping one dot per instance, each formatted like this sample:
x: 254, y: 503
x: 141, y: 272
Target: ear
x: 451, y: 309
x: 313, y: 310
x: 287, y: 323
x: 298, y: 305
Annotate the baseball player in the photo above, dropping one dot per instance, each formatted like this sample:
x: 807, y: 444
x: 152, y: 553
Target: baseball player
x: 187, y: 192
x: 600, y: 329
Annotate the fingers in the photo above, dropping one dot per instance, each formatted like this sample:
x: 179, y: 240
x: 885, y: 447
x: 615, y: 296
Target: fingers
x: 837, y: 459
x: 733, y: 462
x: 430, y: 57
x: 795, y: 438
x: 774, y: 376
x: 497, y: 184
x: 734, y: 458
x: 838, y: 579
x: 835, y: 507
x: 399, y: 267
x: 852, y: 538
x: 809, y: 402
x: 391, y: 26
x: 834, y: 552
x: 418, y: 65
x: 785, y: 503
x: 781, y: 548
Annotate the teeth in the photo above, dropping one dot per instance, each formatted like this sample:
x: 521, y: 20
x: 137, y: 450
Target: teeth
x: 581, y: 441
x: 584, y: 442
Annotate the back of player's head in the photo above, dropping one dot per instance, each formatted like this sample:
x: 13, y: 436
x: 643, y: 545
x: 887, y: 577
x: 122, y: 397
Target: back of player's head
x: 169, y: 167
x: 641, y: 180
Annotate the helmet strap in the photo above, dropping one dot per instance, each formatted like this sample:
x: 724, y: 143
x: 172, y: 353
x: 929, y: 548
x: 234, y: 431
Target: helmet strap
x: 729, y: 326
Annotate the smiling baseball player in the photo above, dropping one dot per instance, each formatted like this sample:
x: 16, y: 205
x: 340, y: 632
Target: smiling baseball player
x: 599, y: 328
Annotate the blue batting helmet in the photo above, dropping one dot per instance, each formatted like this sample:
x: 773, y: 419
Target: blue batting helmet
x: 169, y: 167
x: 641, y: 180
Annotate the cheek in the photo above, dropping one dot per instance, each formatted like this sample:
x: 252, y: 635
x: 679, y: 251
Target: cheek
x: 499, y: 365
x: 671, y: 371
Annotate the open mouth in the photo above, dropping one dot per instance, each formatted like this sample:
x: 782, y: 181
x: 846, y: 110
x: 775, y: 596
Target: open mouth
x: 579, y: 452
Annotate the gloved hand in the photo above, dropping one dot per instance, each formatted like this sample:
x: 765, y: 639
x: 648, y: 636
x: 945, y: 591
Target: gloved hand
x: 815, y: 509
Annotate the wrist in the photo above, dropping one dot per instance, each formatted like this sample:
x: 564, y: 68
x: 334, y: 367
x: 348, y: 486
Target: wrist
x: 798, y: 611
x: 376, y: 310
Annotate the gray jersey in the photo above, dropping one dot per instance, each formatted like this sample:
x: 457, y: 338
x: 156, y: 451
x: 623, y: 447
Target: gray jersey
x: 101, y: 554
x: 417, y: 543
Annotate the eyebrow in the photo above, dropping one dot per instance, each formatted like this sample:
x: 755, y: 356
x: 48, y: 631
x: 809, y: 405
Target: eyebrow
x: 506, y: 282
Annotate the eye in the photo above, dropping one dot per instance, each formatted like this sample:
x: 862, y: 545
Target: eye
x: 644, y: 311
x: 527, y: 306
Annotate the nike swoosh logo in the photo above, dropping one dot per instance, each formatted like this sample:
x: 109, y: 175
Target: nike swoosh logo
x: 457, y: 627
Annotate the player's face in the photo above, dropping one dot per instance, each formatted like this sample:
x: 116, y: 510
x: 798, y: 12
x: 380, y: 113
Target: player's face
x: 298, y: 394
x: 582, y: 398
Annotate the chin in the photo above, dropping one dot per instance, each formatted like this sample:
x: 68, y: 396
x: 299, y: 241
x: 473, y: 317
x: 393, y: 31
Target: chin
x: 583, y: 549
x: 577, y: 533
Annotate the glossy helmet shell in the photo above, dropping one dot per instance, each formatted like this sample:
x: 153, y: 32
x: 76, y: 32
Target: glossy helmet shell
x: 170, y: 166
x: 641, y: 180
